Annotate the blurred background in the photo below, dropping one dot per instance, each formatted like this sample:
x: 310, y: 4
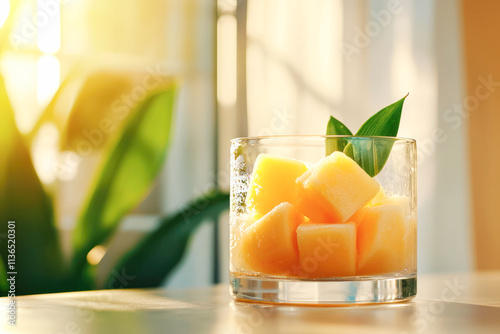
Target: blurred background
x: 76, y: 72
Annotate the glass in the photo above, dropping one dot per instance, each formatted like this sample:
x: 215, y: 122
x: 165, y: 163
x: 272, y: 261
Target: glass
x: 307, y: 227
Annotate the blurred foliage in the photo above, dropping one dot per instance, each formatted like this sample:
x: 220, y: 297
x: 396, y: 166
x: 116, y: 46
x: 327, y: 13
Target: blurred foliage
x: 127, y: 117
x: 143, y: 262
x: 131, y: 163
x: 96, y: 101
x: 22, y: 199
x: 127, y: 174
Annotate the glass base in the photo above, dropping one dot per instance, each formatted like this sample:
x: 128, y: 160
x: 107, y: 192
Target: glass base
x: 338, y: 291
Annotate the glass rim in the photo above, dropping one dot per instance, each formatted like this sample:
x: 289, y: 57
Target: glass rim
x: 395, y: 139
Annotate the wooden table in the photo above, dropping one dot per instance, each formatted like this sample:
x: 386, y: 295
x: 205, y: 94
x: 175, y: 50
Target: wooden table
x: 462, y: 303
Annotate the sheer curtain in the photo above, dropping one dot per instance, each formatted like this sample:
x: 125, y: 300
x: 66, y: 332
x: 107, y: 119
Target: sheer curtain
x: 306, y: 60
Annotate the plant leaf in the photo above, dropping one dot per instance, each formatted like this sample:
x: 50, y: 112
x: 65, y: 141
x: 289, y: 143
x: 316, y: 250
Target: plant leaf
x: 23, y: 200
x: 127, y: 174
x: 369, y: 154
x: 372, y: 155
x: 385, y: 122
x: 4, y: 284
x: 102, y: 95
x: 336, y: 127
x: 151, y: 261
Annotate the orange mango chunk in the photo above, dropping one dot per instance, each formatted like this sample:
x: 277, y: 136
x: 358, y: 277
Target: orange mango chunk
x: 311, y: 203
x: 378, y: 198
x: 340, y: 186
x: 402, y: 201
x: 382, y: 199
x: 382, y: 246
x: 327, y: 250
x: 270, y: 244
x: 273, y: 182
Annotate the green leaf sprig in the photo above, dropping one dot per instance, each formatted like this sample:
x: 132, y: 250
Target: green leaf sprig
x: 369, y: 154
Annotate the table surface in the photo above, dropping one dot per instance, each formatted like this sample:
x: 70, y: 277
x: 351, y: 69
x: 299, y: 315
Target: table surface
x: 452, y: 303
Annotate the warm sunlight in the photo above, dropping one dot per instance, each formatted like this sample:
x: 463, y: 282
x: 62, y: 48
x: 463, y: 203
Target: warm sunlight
x: 4, y: 11
x: 96, y: 254
x: 48, y: 78
x: 49, y: 27
x: 226, y: 59
x: 44, y: 151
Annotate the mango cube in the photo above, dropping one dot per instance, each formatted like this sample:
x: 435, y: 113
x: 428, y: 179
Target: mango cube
x: 311, y: 203
x: 270, y: 244
x: 339, y: 186
x: 382, y: 247
x: 378, y: 198
x: 402, y: 201
x: 327, y: 250
x: 273, y: 182
x: 382, y: 199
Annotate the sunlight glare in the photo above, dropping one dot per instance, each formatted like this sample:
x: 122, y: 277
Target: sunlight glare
x: 49, y: 26
x: 45, y: 152
x: 96, y: 254
x: 226, y: 60
x: 48, y: 78
x: 4, y: 11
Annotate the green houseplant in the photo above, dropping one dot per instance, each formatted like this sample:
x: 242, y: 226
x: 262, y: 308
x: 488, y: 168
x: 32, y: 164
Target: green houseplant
x: 131, y: 161
x: 130, y: 165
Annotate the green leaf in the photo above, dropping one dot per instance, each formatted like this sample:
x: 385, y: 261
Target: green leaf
x: 384, y: 123
x: 102, y: 94
x: 150, y: 262
x: 4, y: 284
x: 336, y: 127
x: 127, y: 175
x: 38, y: 258
x: 371, y: 154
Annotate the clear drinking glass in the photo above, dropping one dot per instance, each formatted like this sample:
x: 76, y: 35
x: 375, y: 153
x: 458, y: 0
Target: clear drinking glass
x: 311, y: 227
